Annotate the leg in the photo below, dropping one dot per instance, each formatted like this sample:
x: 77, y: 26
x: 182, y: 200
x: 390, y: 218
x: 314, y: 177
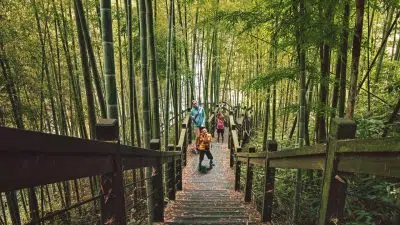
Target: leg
x: 210, y: 157
x: 201, y: 157
x: 222, y: 134
x: 197, y: 134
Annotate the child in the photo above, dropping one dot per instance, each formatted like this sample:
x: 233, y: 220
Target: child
x: 203, y: 145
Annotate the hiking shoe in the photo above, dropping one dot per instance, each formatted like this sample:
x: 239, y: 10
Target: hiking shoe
x: 211, y: 163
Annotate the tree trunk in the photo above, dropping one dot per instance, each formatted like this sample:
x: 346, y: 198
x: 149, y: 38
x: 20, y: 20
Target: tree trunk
x: 86, y: 73
x: 167, y: 78
x: 153, y: 71
x: 343, y: 58
x: 146, y: 104
x: 355, y: 58
x: 266, y: 122
x: 133, y: 107
x: 302, y: 108
x: 73, y: 82
x: 93, y: 64
x: 175, y: 77
x: 388, y: 21
x: 109, y: 63
x: 121, y: 74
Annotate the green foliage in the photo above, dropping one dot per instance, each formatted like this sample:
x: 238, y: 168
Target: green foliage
x: 371, y: 200
x: 369, y: 127
x: 273, y: 76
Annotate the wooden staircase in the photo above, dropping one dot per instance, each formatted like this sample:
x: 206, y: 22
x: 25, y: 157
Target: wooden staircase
x: 209, y: 207
x: 208, y: 196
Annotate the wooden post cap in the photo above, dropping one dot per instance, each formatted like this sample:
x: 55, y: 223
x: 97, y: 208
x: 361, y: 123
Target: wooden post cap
x: 272, y: 145
x: 155, y: 144
x: 342, y: 128
x: 252, y: 149
x: 107, y: 129
x: 171, y: 147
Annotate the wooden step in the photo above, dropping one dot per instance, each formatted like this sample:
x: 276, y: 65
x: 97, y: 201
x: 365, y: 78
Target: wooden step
x: 203, y: 203
x: 187, y: 212
x: 208, y: 198
x: 230, y: 222
x: 212, y: 218
x: 203, y: 209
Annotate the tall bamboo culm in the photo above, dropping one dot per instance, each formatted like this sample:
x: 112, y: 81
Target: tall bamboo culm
x: 109, y: 64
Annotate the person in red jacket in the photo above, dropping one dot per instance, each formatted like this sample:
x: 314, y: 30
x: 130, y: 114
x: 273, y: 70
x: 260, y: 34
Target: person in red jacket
x: 220, y: 126
x: 203, y: 143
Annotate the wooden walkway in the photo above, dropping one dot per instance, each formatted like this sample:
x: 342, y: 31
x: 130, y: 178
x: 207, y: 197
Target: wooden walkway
x: 208, y: 196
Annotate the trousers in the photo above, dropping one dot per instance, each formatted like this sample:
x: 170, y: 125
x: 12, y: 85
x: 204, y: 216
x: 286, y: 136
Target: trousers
x: 206, y: 152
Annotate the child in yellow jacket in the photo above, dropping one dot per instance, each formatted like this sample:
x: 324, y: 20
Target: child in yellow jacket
x: 203, y: 142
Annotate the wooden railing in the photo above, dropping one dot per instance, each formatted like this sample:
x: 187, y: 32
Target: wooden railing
x: 342, y: 154
x: 31, y: 159
x: 171, y: 121
x: 185, y: 138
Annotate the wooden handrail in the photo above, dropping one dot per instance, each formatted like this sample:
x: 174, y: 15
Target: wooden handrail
x: 38, y: 158
x: 231, y: 122
x: 236, y: 144
x: 186, y: 121
x: 304, y: 151
x: 15, y: 140
x: 182, y: 137
x: 354, y: 156
x: 342, y: 153
x: 390, y: 144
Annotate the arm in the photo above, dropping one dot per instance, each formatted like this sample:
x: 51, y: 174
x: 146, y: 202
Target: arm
x: 209, y: 137
x: 203, y: 116
x: 191, y: 114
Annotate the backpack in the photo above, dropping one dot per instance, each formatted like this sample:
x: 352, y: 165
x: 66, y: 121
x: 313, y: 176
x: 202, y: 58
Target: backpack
x: 220, y: 124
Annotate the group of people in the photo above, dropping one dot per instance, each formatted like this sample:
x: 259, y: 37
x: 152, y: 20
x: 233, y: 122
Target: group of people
x: 203, y: 138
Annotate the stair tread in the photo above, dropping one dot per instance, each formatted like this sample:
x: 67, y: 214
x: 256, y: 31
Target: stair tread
x: 213, y: 216
x: 230, y: 222
x: 224, y: 213
x: 177, y: 207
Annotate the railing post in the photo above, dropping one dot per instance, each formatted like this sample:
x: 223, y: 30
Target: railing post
x: 113, y: 202
x: 178, y: 170
x: 232, y: 150
x: 269, y: 181
x: 237, y: 172
x: 158, y: 192
x: 230, y: 142
x: 334, y: 186
x: 249, y: 177
x: 184, y: 151
x: 171, y: 179
x: 184, y: 146
x: 189, y: 127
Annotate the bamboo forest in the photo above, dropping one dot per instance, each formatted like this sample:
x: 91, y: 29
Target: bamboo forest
x: 276, y: 112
